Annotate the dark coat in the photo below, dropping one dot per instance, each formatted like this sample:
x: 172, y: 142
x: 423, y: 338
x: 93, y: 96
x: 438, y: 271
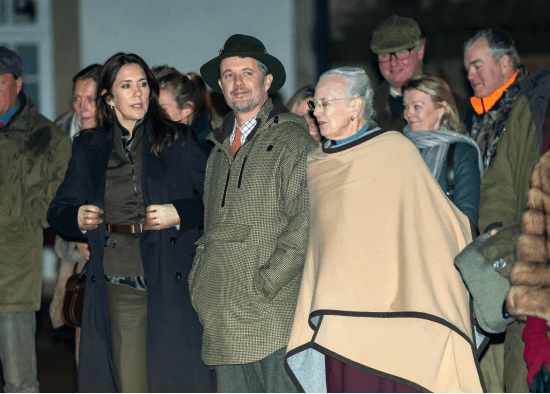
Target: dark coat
x: 467, y: 179
x: 173, y: 329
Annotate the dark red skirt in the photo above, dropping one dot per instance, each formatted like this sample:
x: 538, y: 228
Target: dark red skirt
x: 344, y: 378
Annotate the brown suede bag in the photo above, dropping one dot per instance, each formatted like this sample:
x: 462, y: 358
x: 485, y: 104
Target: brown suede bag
x: 73, y: 302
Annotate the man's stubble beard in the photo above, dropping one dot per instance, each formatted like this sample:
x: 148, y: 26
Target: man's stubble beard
x: 249, y: 105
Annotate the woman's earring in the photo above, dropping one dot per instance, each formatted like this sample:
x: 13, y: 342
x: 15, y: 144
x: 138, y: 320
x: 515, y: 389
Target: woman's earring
x: 113, y: 107
x: 352, y: 118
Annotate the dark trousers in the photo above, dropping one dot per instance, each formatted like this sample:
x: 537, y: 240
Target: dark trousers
x: 128, y: 316
x: 344, y: 378
x: 267, y: 375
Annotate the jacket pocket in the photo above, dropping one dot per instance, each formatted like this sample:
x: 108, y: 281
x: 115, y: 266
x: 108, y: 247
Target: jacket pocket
x: 225, y: 232
x: 221, y: 277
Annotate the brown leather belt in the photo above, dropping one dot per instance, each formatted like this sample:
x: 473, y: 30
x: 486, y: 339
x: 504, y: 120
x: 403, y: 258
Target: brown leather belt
x: 125, y: 228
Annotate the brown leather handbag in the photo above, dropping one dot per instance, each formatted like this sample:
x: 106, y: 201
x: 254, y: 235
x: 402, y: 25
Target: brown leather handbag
x: 73, y: 302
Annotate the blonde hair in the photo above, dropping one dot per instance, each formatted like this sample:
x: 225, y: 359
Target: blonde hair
x: 439, y: 92
x: 303, y: 93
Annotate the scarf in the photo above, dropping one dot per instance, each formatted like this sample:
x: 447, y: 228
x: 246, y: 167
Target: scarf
x: 434, y: 145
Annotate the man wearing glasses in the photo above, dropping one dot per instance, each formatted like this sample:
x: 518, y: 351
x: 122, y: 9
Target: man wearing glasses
x: 398, y: 44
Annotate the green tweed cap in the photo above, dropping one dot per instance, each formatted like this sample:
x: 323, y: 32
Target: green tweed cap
x: 395, y: 34
x: 244, y: 46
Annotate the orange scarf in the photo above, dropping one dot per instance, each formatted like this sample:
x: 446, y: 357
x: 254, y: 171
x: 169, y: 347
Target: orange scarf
x: 484, y: 104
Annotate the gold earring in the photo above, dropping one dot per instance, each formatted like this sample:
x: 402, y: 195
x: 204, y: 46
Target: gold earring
x: 352, y: 118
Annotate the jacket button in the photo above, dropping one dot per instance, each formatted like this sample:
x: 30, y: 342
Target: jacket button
x: 93, y: 278
x: 178, y: 275
x: 172, y: 241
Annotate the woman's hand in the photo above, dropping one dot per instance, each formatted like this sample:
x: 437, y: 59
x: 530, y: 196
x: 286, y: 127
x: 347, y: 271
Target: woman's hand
x: 158, y: 217
x: 84, y: 249
x: 88, y: 217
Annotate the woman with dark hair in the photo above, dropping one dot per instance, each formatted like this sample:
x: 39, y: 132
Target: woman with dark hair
x: 186, y: 100
x: 83, y: 115
x: 134, y: 189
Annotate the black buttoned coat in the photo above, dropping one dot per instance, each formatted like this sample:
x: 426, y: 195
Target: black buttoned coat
x: 173, y: 329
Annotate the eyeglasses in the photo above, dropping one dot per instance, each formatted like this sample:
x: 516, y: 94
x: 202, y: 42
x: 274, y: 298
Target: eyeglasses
x: 321, y: 102
x: 399, y: 55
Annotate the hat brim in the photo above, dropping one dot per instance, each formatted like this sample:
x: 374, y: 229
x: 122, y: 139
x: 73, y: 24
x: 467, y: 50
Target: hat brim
x: 210, y: 73
x: 392, y: 48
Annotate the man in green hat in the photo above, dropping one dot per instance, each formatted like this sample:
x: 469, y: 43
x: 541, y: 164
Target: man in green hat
x: 247, y: 271
x: 399, y: 47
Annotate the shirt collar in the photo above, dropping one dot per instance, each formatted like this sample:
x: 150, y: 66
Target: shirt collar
x: 359, y: 134
x: 245, y: 129
x: 7, y: 116
x: 393, y: 92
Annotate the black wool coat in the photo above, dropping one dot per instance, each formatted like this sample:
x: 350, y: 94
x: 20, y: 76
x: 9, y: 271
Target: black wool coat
x: 173, y: 329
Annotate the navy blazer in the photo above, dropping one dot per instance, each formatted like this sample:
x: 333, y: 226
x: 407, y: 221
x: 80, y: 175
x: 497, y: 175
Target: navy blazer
x: 173, y: 330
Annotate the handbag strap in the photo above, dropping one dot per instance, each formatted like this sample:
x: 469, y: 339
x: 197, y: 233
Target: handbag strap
x: 75, y: 268
x: 451, y: 171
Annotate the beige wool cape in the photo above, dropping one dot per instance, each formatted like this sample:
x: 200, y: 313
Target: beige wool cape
x: 380, y: 290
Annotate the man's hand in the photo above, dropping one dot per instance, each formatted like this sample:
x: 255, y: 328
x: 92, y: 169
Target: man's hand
x: 493, y: 232
x: 88, y: 217
x: 158, y: 217
x: 84, y: 249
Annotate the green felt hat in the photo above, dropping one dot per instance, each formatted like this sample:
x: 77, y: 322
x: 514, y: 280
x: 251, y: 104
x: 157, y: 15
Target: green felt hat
x: 244, y: 46
x: 395, y: 34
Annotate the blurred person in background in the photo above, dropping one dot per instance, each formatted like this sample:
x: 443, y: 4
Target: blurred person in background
x: 436, y: 130
x: 186, y: 100
x: 34, y: 159
x: 83, y: 115
x: 382, y: 307
x: 298, y: 104
x: 70, y: 253
x: 134, y: 190
x: 399, y: 48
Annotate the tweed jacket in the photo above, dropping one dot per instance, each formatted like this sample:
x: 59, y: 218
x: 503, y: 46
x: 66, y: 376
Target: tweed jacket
x: 246, y: 274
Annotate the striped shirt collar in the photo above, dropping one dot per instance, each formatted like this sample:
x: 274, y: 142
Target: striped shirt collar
x: 245, y: 129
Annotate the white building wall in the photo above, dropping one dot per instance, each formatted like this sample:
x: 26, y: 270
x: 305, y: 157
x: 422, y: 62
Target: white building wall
x: 185, y: 33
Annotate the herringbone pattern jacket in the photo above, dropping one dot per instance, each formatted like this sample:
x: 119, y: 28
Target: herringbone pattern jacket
x: 246, y: 275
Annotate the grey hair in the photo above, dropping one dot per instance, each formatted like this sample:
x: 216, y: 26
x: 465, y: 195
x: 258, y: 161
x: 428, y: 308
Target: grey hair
x: 419, y: 43
x: 263, y: 69
x: 500, y: 44
x: 359, y: 86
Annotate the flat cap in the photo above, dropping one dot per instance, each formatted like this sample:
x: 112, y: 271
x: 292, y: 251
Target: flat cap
x: 395, y: 34
x: 10, y: 62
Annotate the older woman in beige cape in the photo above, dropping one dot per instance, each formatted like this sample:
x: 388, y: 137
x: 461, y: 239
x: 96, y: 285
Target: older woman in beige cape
x: 380, y: 295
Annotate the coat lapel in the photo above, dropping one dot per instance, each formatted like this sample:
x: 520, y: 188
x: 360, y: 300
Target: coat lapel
x: 97, y: 155
x: 153, y: 169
